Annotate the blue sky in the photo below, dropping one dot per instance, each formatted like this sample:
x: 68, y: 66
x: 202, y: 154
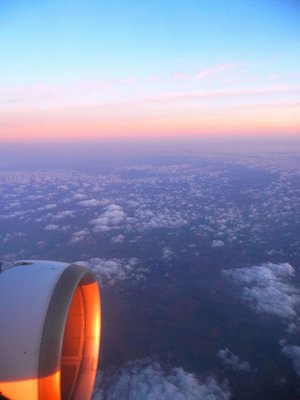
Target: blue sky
x: 58, y: 40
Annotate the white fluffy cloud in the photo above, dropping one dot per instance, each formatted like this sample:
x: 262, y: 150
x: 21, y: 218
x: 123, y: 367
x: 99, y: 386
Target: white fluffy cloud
x: 167, y: 253
x: 233, y: 361
x: 52, y: 227
x: 79, y: 236
x: 63, y: 214
x: 268, y: 289
x: 112, y: 217
x: 109, y: 272
x: 47, y: 207
x: 292, y: 352
x: 79, y: 196
x: 91, y: 203
x: 217, y: 243
x: 165, y: 218
x: 146, y: 380
x: 118, y: 238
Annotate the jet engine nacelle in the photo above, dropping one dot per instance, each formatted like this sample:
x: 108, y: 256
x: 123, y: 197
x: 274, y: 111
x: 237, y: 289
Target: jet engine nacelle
x: 50, y: 317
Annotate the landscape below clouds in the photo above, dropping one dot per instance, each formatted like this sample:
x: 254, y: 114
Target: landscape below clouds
x: 197, y: 256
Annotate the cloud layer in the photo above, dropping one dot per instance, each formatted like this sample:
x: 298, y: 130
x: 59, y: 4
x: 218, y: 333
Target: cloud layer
x: 109, y: 272
x: 233, y: 361
x: 293, y: 353
x: 112, y: 217
x: 146, y: 380
x: 267, y: 288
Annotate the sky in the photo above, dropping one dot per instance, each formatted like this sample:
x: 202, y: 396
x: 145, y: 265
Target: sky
x: 78, y: 69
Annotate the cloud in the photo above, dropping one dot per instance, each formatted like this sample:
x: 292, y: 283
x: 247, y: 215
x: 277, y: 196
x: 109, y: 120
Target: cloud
x: 167, y: 253
x: 91, y: 203
x: 224, y: 93
x: 209, y: 71
x: 16, y: 214
x: 146, y: 380
x: 79, y: 196
x: 113, y: 216
x: 118, y: 238
x: 43, y: 92
x: 217, y: 69
x: 179, y: 76
x: 52, y: 227
x: 267, y: 288
x: 166, y: 218
x: 232, y: 360
x: 37, y: 91
x: 47, y: 207
x: 79, y: 236
x: 217, y: 243
x: 292, y: 328
x: 63, y: 214
x: 292, y: 352
x: 110, y: 272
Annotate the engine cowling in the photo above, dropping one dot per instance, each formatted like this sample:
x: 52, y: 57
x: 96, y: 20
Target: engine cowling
x: 50, y: 324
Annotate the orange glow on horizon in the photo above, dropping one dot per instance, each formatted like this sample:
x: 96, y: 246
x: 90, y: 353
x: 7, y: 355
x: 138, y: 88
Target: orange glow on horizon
x: 121, y: 123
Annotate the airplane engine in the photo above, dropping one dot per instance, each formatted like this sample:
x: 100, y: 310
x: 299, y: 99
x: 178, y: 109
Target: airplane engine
x: 50, y: 321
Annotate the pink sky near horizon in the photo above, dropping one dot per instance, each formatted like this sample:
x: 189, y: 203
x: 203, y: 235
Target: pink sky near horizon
x: 51, y: 127
x: 94, y: 110
x: 215, y: 101
x: 138, y: 121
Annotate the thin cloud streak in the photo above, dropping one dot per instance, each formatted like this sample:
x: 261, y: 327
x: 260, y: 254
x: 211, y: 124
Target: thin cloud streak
x: 60, y: 93
x: 215, y: 94
x: 210, y: 71
x: 217, y: 69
